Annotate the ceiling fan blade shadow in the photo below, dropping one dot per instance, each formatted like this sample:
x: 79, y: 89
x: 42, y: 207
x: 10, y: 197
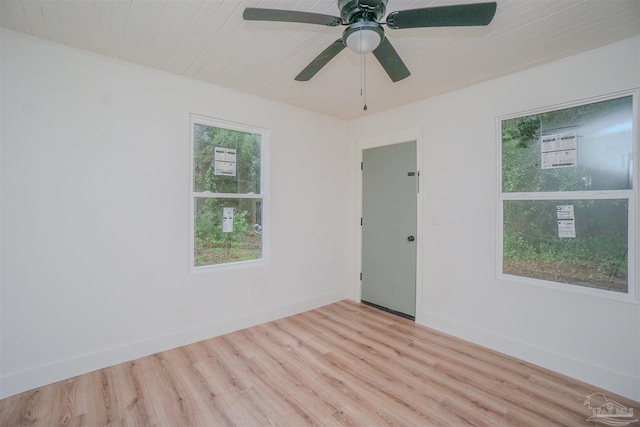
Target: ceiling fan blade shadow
x: 390, y: 61
x: 259, y: 14
x: 476, y: 14
x: 321, y: 60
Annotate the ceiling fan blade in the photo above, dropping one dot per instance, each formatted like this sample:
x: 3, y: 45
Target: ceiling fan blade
x: 259, y: 14
x: 321, y: 60
x: 390, y: 61
x: 475, y: 14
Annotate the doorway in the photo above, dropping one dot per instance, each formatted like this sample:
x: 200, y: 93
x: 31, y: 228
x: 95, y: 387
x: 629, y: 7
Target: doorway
x: 389, y: 228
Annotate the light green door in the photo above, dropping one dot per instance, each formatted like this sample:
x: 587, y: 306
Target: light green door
x: 389, y: 211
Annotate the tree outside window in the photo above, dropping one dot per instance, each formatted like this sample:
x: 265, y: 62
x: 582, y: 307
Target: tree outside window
x: 567, y: 197
x: 227, y: 192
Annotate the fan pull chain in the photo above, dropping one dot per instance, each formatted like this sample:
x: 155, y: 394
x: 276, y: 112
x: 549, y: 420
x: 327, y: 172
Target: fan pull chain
x: 363, y: 80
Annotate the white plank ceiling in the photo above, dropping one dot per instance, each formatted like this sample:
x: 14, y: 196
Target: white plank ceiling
x: 209, y: 41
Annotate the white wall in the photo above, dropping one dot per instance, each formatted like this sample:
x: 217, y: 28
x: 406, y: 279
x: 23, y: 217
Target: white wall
x: 94, y: 211
x: 95, y: 214
x: 593, y: 339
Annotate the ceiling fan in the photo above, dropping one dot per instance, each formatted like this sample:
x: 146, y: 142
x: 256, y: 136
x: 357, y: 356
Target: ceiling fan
x: 364, y: 32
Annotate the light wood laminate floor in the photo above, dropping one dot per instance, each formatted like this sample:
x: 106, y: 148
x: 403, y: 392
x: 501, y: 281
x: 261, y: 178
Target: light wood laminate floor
x: 345, y: 364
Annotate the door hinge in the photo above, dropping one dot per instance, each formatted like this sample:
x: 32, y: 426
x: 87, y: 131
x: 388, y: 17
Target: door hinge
x: 361, y: 166
x: 360, y: 220
x: 418, y: 181
x: 360, y: 276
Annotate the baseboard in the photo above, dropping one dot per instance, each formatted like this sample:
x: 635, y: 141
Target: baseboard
x: 27, y: 380
x: 598, y: 376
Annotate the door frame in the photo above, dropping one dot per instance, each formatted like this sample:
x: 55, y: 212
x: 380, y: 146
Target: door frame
x: 393, y: 138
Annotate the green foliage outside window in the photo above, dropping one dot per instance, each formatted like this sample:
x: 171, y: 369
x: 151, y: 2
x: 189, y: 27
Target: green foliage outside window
x: 214, y: 192
x: 604, y: 137
x: 596, y: 257
x: 598, y: 254
x: 247, y: 145
x: 212, y: 245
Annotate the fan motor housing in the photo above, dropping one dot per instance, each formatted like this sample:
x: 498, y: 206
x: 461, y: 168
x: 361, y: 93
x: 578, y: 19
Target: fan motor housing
x: 356, y: 10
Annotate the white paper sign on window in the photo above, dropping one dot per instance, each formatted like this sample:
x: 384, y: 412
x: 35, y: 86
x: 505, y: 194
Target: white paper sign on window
x: 225, y: 161
x: 227, y: 220
x: 566, y: 221
x: 559, y: 150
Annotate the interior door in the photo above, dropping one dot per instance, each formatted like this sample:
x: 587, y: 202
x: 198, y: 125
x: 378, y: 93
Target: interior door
x: 389, y: 222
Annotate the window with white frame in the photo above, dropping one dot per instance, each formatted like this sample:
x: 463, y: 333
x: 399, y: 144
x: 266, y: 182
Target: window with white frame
x: 227, y: 192
x: 567, y: 197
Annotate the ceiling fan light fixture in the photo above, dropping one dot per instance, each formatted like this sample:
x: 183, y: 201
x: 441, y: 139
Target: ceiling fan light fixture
x: 364, y: 31
x: 363, y: 37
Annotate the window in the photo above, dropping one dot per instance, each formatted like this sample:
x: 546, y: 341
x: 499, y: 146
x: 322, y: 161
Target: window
x: 227, y: 192
x: 568, y: 196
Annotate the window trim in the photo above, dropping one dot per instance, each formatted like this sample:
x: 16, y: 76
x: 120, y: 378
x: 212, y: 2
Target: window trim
x: 630, y: 194
x: 264, y: 193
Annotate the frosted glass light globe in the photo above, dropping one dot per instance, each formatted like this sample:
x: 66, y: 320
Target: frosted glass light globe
x: 364, y: 40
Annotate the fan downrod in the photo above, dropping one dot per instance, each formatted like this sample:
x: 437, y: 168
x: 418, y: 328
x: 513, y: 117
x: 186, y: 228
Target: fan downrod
x: 356, y: 10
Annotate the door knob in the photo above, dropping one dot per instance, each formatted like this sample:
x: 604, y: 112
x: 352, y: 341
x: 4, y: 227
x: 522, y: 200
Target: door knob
x: 411, y: 238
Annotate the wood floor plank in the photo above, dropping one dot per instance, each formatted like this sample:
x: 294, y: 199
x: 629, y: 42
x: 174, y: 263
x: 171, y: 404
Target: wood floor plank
x: 414, y: 378
x: 282, y: 371
x: 345, y: 364
x: 321, y: 378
